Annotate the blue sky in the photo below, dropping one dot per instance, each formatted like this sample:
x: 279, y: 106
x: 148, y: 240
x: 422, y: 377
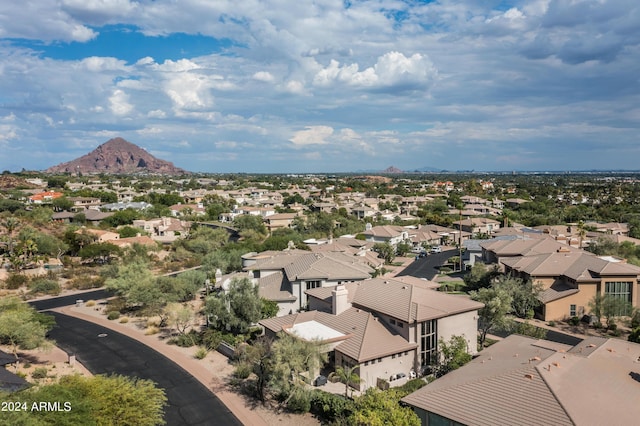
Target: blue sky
x: 324, y: 86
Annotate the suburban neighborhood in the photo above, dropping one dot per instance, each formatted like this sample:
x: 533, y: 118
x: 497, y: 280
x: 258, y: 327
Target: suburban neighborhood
x: 340, y: 289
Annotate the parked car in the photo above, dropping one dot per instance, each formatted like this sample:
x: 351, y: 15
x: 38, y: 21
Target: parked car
x: 436, y: 249
x: 320, y: 381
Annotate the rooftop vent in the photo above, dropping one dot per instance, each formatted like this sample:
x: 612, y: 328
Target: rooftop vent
x: 528, y: 376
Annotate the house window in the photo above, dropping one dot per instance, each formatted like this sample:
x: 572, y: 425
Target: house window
x: 572, y: 310
x: 393, y: 322
x: 619, y: 290
x: 366, y: 363
x: 428, y: 342
x: 400, y: 324
x: 393, y: 356
x: 312, y: 284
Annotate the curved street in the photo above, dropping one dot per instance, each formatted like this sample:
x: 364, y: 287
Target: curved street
x: 104, y: 351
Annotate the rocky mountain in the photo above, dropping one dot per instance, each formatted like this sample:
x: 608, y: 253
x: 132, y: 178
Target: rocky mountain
x: 117, y: 156
x: 391, y: 170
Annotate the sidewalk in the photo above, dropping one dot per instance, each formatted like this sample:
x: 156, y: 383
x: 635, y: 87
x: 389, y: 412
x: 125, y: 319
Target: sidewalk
x: 211, y: 371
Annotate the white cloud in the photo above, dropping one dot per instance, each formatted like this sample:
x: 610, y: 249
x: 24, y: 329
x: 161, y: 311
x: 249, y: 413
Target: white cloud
x: 119, y: 103
x: 265, y: 76
x: 312, y: 135
x: 393, y: 70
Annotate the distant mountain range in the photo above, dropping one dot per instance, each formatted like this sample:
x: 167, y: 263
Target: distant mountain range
x: 118, y: 156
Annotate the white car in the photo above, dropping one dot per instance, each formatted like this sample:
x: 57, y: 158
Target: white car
x: 436, y: 249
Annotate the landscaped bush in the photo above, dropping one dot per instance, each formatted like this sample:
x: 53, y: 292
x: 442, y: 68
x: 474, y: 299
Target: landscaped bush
x: 113, y: 315
x: 411, y: 386
x: 330, y: 407
x: 242, y: 371
x: 39, y: 373
x: 635, y: 335
x: 186, y: 340
x: 124, y: 320
x: 574, y: 321
x: 613, y: 326
x: 300, y: 401
x: 90, y: 303
x: 15, y: 281
x: 151, y: 330
x: 201, y: 353
x: 551, y: 323
x: 44, y: 286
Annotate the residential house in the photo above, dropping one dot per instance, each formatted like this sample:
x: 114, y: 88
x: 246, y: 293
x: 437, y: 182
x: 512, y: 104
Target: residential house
x: 84, y: 203
x: 569, y: 277
x: 298, y: 271
x: 478, y: 225
x: 525, y: 381
x: 44, y: 197
x: 391, y: 234
x: 384, y: 328
x: 164, y: 229
x: 101, y: 235
x: 187, y: 210
x: 280, y: 220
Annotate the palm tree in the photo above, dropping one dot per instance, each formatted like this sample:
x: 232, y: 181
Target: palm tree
x: 346, y: 375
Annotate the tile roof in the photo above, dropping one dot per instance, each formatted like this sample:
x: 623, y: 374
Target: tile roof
x: 273, y: 287
x: 523, y: 381
x: 366, y: 337
x: 409, y: 302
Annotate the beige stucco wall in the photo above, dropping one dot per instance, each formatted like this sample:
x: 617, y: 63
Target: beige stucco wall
x: 464, y: 324
x: 388, y: 366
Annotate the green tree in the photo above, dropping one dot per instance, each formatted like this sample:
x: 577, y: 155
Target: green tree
x: 381, y: 408
x: 497, y: 304
x: 453, y: 354
x: 480, y: 277
x: 292, y: 356
x: 21, y: 326
x: 244, y: 303
x: 385, y: 251
x: 100, y: 252
x: 524, y: 295
x: 346, y: 375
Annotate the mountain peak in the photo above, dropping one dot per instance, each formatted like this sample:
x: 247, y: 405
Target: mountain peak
x: 392, y: 169
x: 117, y: 156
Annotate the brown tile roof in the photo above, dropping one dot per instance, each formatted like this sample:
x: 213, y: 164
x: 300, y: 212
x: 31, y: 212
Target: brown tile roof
x: 577, y: 265
x: 556, y: 291
x: 526, y: 247
x: 500, y: 386
x: 408, y: 302
x: 367, y: 338
x: 523, y: 381
x: 309, y: 266
x: 273, y: 287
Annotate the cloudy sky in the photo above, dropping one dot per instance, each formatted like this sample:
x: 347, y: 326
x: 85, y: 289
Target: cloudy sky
x: 325, y: 85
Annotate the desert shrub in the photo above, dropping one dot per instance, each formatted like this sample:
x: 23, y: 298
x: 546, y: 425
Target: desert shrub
x: 113, y: 315
x: 211, y: 338
x: 242, y: 371
x: 186, y: 340
x: 300, y: 401
x: 15, y: 281
x: 118, y: 304
x: 44, y: 286
x: 635, y: 319
x: 201, y: 353
x: 551, y: 323
x: 613, y: 326
x: 39, y: 373
x: 151, y: 330
x: 85, y: 282
x: 635, y: 335
x: 574, y: 321
x: 90, y: 303
x: 124, y: 320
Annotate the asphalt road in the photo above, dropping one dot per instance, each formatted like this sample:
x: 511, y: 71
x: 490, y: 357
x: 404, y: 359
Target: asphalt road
x: 58, y: 302
x: 426, y: 267
x: 189, y: 402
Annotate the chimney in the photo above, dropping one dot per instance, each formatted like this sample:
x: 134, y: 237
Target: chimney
x: 339, y: 300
